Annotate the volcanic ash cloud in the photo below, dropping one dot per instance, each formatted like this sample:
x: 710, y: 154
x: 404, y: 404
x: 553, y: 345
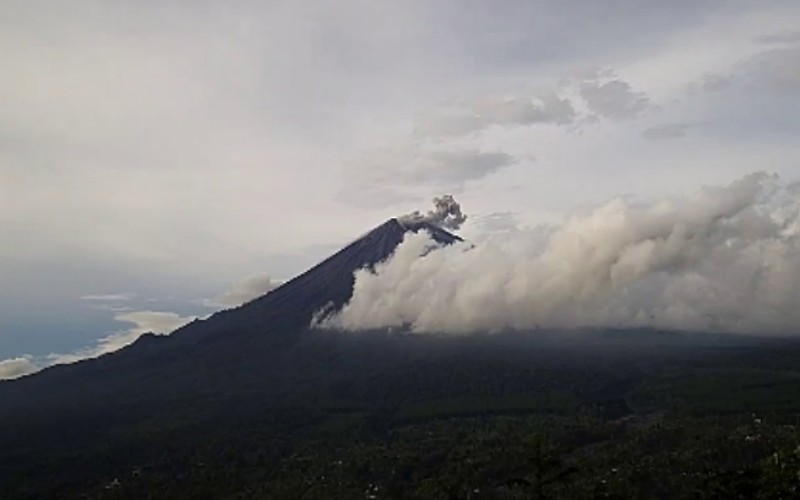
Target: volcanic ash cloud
x: 446, y: 213
x: 725, y: 259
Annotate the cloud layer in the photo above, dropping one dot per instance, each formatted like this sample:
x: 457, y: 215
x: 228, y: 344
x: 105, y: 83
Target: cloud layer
x: 139, y: 322
x: 249, y: 289
x: 16, y: 367
x: 725, y: 259
x: 452, y: 145
x: 158, y: 322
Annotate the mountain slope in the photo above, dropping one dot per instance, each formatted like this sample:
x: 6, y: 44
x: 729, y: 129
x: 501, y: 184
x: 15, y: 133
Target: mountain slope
x: 292, y: 305
x: 251, y: 360
x: 242, y: 338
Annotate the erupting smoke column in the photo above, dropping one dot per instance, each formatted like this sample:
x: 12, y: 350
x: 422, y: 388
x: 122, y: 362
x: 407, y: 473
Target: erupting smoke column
x: 725, y: 259
x: 446, y: 213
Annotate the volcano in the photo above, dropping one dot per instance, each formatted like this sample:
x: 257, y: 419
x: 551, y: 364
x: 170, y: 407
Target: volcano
x: 329, y: 284
x: 252, y: 359
x: 277, y: 318
x: 247, y: 336
x: 253, y: 403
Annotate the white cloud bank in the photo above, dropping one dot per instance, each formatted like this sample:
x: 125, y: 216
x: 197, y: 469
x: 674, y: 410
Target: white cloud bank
x: 16, y: 367
x: 725, y: 259
x: 160, y: 323
x: 109, y: 297
x: 140, y: 322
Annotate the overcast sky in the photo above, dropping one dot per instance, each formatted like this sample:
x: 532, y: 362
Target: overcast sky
x: 159, y: 160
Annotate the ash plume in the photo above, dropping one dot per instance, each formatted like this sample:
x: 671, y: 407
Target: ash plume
x: 726, y: 259
x: 446, y: 214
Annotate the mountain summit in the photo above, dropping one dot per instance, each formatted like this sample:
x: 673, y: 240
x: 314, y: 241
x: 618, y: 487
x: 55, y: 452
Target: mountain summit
x: 328, y: 284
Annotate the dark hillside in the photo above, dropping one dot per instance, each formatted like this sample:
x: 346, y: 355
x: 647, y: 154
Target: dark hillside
x: 252, y: 404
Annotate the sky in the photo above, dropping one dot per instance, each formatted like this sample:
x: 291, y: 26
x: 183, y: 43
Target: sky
x: 160, y: 161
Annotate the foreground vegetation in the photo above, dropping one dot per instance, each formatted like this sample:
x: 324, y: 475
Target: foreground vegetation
x: 612, y: 415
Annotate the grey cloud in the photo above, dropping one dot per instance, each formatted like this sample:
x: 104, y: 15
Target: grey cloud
x: 716, y: 83
x: 436, y: 153
x: 109, y: 297
x: 446, y: 213
x: 497, y: 222
x: 524, y: 33
x: 784, y: 37
x: 249, y: 289
x: 776, y: 70
x: 396, y: 173
x: 369, y: 195
x: 613, y: 99
x: 112, y: 307
x: 124, y: 122
x: 505, y: 112
x: 453, y: 168
x: 603, y: 92
x: 667, y: 131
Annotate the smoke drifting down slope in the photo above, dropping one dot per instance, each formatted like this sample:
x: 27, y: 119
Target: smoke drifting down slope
x: 725, y: 259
